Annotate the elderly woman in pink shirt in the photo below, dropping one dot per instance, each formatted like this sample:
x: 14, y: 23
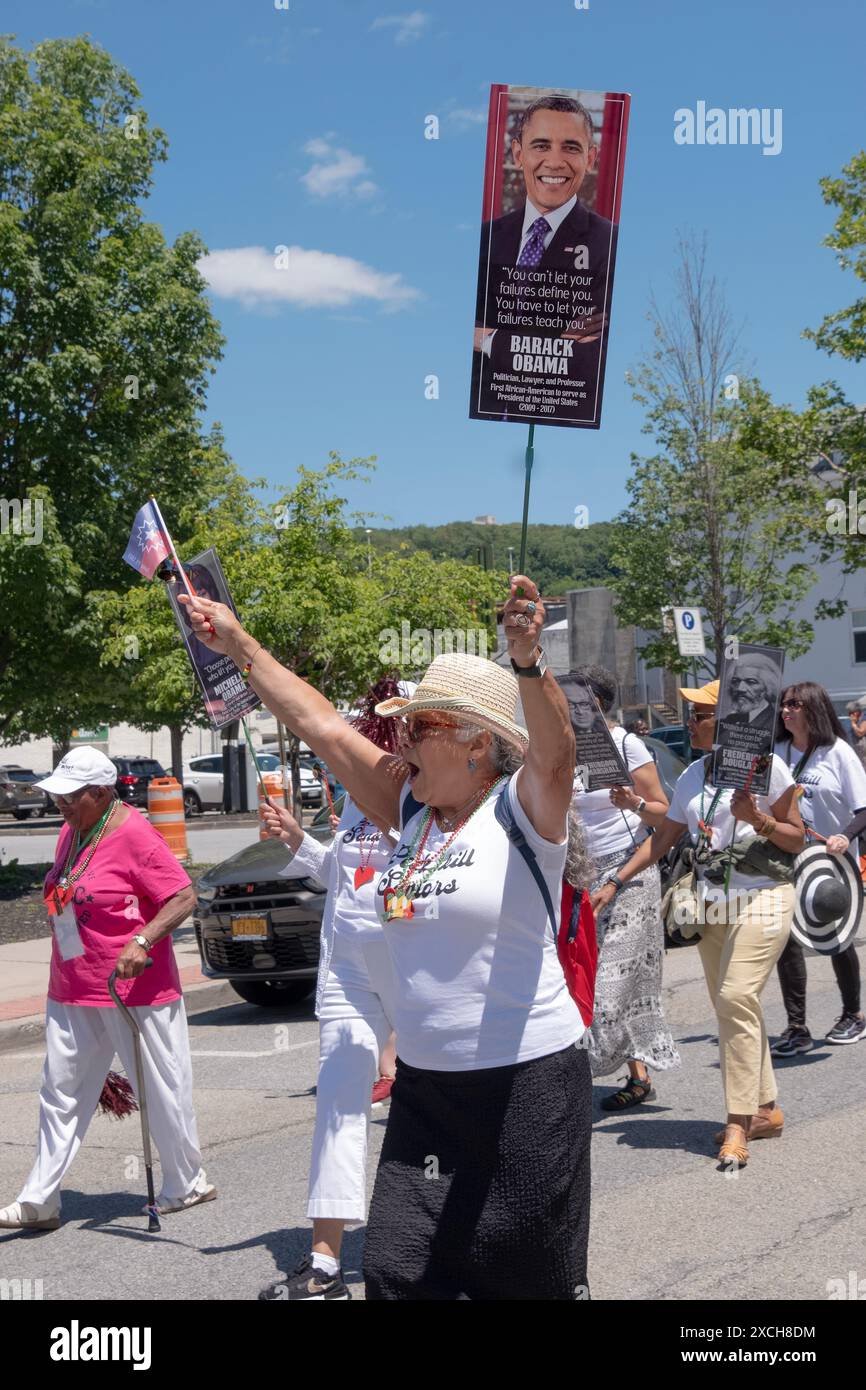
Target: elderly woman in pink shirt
x: 114, y: 895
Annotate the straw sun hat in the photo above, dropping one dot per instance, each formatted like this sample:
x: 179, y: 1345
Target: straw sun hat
x: 469, y: 686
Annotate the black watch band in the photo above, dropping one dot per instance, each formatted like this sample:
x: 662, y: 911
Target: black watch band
x: 535, y: 671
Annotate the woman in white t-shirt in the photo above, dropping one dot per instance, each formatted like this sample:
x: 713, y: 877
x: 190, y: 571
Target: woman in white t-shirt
x: 831, y: 785
x: 483, y: 1185
x: 746, y: 916
x: 354, y: 1006
x: 628, y: 1023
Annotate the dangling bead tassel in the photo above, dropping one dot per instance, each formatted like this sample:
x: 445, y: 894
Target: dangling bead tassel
x: 117, y: 1098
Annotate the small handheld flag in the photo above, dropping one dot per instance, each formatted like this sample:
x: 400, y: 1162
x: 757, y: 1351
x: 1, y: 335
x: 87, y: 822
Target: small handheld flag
x: 151, y: 549
x: 147, y: 546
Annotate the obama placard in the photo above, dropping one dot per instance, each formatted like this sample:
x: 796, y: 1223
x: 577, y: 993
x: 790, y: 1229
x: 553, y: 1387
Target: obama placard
x: 552, y: 190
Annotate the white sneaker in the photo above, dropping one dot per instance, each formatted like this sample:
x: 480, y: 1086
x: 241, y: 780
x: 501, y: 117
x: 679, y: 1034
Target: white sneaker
x: 29, y: 1216
x: 203, y: 1191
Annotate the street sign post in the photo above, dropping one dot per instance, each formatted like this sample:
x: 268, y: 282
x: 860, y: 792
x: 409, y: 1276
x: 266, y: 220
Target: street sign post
x: 689, y: 629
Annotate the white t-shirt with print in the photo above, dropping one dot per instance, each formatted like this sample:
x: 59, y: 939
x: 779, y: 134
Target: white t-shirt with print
x: 691, y: 802
x: 478, y: 978
x: 357, y: 845
x: 609, y: 830
x: 833, y: 782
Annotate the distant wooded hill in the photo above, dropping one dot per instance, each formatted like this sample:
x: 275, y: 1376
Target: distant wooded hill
x: 557, y: 557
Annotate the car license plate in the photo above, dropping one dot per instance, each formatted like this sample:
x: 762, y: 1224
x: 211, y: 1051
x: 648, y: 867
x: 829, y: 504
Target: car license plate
x: 251, y: 928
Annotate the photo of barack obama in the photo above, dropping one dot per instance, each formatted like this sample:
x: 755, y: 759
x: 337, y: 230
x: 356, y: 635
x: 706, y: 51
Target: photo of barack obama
x: 546, y: 262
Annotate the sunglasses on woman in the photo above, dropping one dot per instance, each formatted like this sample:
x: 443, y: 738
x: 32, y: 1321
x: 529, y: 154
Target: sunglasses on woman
x: 416, y: 728
x: 792, y: 704
x: 70, y: 798
x: 700, y: 715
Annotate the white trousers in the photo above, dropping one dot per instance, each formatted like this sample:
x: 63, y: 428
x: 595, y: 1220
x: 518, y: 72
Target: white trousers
x: 354, y: 1025
x: 80, y: 1046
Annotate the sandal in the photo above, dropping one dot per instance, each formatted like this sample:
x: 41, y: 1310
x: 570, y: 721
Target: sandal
x: 763, y: 1125
x: 634, y: 1092
x: 734, y: 1151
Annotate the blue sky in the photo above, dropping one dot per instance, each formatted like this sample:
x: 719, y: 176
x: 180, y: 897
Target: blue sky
x: 305, y: 127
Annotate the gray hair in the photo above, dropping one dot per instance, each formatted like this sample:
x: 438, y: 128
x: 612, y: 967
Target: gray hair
x: 580, y: 868
x: 505, y: 757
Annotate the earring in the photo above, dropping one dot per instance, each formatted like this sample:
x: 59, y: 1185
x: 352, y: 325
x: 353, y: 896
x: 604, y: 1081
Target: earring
x: 472, y: 764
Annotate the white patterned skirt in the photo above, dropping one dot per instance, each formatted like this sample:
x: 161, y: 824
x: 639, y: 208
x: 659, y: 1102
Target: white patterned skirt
x: 629, y: 1021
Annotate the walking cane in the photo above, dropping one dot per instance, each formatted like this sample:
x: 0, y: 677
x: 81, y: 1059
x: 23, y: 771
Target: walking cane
x: 152, y: 1213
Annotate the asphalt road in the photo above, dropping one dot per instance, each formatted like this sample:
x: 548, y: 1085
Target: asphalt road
x: 666, y: 1224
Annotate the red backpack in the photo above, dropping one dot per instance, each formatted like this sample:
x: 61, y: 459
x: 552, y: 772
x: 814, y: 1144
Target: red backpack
x: 574, y: 928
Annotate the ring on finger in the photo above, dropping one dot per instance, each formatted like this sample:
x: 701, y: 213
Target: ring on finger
x: 521, y: 619
x: 531, y: 608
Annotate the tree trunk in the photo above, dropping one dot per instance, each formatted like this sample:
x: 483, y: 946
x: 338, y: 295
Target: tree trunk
x: 176, y: 732
x: 60, y: 749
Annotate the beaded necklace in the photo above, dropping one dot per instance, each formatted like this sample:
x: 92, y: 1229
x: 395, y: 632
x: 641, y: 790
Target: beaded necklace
x: 69, y: 877
x: 397, y: 902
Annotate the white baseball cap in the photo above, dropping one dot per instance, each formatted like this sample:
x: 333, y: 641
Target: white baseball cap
x: 80, y: 767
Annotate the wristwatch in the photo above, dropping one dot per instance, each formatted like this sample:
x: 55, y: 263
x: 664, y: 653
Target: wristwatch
x: 616, y: 881
x: 641, y: 806
x: 537, y: 670
x: 143, y: 942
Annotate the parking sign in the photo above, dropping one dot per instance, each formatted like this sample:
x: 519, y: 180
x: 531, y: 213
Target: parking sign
x: 690, y: 632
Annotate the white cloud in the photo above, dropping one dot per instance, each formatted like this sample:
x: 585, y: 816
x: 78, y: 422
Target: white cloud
x: 312, y: 279
x: 466, y: 116
x: 407, y: 27
x: 336, y: 172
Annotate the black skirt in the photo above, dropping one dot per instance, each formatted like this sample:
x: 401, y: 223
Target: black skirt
x: 483, y: 1186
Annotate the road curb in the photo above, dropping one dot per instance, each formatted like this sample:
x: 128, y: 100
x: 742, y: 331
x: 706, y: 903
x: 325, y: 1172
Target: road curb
x: 18, y: 1033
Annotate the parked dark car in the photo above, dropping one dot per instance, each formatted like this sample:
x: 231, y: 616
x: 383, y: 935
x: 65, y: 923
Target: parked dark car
x: 668, y: 763
x: 258, y: 930
x: 133, y: 775
x: 19, y: 795
x: 676, y: 736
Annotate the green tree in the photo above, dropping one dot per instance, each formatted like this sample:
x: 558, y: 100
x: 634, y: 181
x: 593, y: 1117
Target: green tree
x: 298, y: 572
x: 106, y: 344
x: 558, y: 557
x: 844, y: 332
x: 713, y: 522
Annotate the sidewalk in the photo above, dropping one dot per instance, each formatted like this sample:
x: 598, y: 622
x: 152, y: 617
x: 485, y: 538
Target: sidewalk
x: 24, y: 981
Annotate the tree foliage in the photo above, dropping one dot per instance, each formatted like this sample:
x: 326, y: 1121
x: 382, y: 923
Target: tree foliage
x: 714, y: 521
x: 106, y: 344
x: 557, y: 557
x: 844, y: 332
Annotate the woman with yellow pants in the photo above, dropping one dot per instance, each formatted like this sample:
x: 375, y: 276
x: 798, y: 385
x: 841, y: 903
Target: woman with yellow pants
x: 745, y: 916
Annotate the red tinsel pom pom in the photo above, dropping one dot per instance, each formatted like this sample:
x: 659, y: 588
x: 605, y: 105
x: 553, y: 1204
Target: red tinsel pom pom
x: 118, y: 1097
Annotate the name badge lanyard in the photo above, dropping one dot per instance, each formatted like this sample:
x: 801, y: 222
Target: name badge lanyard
x: 61, y: 892
x: 800, y: 789
x: 705, y: 825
